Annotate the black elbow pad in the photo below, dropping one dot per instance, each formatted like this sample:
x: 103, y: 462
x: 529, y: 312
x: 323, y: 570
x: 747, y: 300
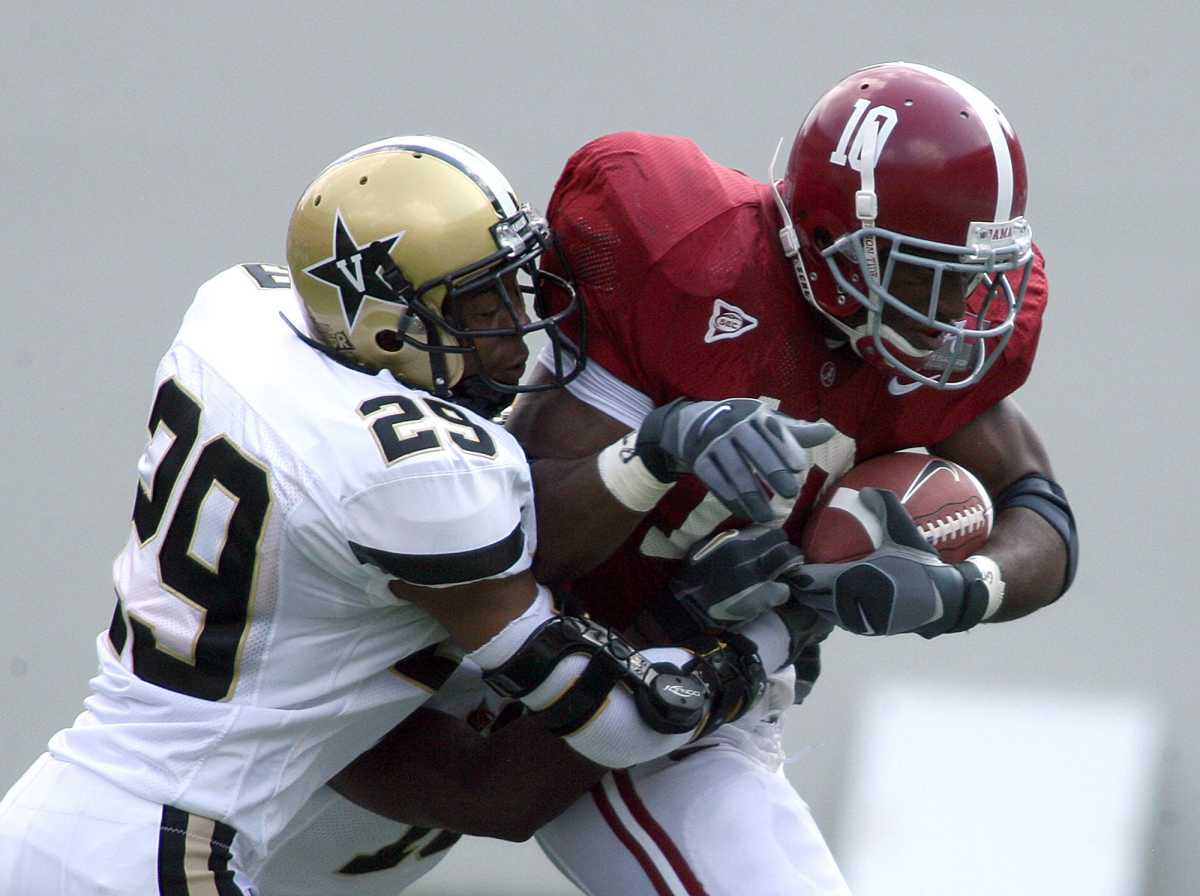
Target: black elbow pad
x: 1046, y: 498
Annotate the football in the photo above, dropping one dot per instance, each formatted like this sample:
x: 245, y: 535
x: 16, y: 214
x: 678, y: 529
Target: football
x: 948, y: 504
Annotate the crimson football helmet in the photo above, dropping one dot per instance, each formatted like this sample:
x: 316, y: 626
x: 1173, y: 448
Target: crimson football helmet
x: 902, y: 173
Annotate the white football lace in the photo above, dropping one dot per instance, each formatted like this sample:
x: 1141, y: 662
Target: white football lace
x: 960, y: 523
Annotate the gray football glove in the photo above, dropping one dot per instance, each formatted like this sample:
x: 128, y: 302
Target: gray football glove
x: 733, y: 576
x: 901, y: 587
x: 741, y: 449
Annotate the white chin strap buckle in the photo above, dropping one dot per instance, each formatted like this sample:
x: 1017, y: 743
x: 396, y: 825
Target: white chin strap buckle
x: 866, y: 205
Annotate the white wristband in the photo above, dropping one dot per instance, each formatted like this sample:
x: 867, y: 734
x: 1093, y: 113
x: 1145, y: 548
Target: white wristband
x: 989, y: 571
x: 626, y: 477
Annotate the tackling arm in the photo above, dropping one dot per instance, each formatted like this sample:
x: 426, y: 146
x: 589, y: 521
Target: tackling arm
x: 612, y: 704
x: 435, y: 770
x: 558, y: 431
x: 740, y: 448
x: 1000, y: 447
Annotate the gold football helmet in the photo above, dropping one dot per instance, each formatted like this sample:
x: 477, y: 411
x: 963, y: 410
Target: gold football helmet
x: 389, y: 235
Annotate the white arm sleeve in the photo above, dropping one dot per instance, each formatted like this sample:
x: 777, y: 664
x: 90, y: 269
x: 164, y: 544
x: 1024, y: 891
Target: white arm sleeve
x: 616, y: 736
x: 603, y: 391
x: 770, y: 635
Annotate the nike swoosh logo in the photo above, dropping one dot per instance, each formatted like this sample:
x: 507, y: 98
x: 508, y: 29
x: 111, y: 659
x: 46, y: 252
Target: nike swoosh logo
x: 895, y: 387
x: 867, y: 629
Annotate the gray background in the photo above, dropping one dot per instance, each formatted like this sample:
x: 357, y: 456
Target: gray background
x: 146, y: 148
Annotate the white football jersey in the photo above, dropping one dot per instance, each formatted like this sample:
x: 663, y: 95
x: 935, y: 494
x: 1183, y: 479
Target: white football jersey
x: 252, y: 652
x: 333, y: 847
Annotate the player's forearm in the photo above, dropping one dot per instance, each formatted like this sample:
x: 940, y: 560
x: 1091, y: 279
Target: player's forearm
x: 613, y: 704
x: 409, y: 776
x: 1032, y: 559
x: 579, y: 520
x: 523, y: 779
x: 1033, y: 541
x: 508, y: 785
x: 587, y: 522
x: 436, y: 771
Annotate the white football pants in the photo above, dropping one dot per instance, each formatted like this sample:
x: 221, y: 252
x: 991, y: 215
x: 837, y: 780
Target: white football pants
x: 718, y: 819
x: 64, y: 831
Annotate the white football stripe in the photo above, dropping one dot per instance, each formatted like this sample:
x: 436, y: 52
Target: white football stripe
x: 848, y: 499
x: 487, y: 172
x: 488, y: 175
x: 984, y: 497
x: 988, y: 114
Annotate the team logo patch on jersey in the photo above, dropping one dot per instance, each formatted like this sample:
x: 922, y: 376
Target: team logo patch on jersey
x: 828, y: 374
x: 360, y: 271
x: 728, y: 322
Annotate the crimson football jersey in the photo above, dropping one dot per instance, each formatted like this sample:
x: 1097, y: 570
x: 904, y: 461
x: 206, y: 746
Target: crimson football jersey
x: 689, y: 294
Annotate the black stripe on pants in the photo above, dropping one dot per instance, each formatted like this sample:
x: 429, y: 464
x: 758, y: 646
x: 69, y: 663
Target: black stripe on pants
x: 191, y: 866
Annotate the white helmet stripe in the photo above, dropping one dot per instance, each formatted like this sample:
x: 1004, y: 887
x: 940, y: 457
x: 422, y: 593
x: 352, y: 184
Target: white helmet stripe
x: 989, y: 115
x: 481, y: 170
x: 499, y: 191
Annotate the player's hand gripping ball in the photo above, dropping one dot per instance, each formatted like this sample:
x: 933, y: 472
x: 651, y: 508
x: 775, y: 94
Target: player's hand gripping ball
x: 885, y: 552
x: 947, y: 503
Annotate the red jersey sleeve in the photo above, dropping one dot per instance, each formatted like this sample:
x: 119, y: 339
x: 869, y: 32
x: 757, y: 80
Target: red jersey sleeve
x: 627, y: 212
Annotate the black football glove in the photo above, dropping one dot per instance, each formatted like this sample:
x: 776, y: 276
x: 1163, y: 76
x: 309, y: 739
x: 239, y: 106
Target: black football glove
x: 901, y: 587
x: 734, y: 575
x: 741, y: 449
x: 731, y: 668
x: 732, y: 578
x: 807, y: 628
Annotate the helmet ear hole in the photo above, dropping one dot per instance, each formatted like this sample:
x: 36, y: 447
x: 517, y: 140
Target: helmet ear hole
x: 822, y: 238
x: 389, y: 340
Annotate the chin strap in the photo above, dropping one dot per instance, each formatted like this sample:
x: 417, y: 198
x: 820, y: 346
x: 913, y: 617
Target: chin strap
x: 787, y: 233
x: 438, y: 367
x: 474, y: 393
x: 866, y: 206
x: 790, y: 242
x: 332, y: 354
